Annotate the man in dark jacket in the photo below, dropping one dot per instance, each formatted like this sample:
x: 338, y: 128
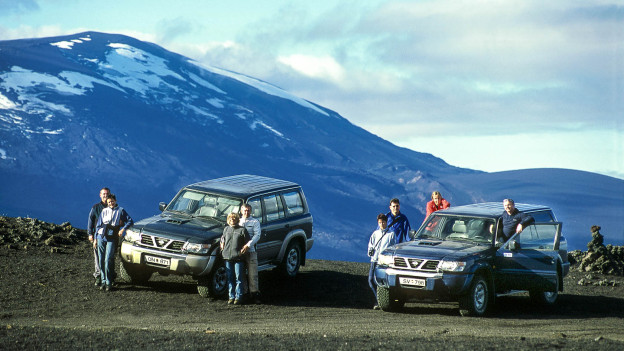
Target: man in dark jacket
x: 94, y: 215
x: 514, y: 221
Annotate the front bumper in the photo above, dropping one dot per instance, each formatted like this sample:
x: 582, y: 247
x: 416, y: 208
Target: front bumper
x: 438, y: 285
x: 182, y: 264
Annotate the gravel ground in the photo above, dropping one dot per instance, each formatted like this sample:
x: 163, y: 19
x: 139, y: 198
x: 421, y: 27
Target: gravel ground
x: 49, y: 302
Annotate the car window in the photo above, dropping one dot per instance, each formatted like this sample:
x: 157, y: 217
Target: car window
x: 457, y: 228
x: 542, y: 216
x: 273, y: 207
x: 256, y: 208
x: 293, y: 203
x: 538, y: 236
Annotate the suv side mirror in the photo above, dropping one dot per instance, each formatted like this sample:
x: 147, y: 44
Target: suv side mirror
x: 162, y: 206
x: 411, y: 234
x: 514, y: 245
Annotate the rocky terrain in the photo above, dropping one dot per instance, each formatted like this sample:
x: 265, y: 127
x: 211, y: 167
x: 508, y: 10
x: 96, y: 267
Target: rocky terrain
x: 48, y: 301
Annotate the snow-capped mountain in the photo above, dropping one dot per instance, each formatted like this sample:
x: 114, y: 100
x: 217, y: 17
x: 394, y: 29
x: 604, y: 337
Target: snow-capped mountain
x: 89, y: 110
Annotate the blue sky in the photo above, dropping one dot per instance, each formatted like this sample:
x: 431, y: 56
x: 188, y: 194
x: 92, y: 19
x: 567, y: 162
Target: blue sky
x: 483, y: 84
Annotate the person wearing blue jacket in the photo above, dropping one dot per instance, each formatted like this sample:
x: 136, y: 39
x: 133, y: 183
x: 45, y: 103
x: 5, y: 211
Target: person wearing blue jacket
x: 112, y: 224
x: 398, y: 222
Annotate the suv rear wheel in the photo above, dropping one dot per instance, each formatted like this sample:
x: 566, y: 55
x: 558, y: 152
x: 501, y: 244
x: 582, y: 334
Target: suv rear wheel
x: 545, y: 298
x: 215, y: 284
x: 292, y: 260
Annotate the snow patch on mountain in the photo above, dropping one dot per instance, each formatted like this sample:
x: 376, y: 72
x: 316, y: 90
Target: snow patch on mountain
x: 262, y: 86
x: 137, y: 70
x: 5, y: 103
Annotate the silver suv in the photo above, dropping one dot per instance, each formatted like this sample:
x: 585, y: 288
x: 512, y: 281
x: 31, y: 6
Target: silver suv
x: 184, y: 238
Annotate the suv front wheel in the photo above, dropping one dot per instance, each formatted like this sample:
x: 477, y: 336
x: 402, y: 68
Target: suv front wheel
x: 477, y: 300
x: 387, y: 299
x: 215, y: 284
x: 133, y: 273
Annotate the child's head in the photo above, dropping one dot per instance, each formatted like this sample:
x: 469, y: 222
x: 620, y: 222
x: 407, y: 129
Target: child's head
x: 233, y: 219
x: 382, y: 220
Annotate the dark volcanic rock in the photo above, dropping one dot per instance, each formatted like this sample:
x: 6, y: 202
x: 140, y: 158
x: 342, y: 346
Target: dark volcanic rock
x: 599, y: 258
x: 23, y: 232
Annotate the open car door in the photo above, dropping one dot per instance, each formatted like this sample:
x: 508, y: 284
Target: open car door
x: 528, y: 260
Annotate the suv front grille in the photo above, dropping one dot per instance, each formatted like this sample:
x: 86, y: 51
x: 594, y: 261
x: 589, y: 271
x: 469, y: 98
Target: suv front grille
x: 416, y: 263
x: 161, y: 243
x: 400, y: 262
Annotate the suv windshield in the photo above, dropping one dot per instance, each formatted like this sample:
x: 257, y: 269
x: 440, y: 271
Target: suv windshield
x: 198, y: 204
x: 457, y: 228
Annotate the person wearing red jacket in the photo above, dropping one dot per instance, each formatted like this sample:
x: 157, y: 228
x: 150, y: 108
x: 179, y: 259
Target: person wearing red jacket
x: 437, y: 203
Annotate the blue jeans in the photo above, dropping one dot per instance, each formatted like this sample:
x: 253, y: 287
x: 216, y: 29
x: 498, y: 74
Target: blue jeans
x: 371, y: 279
x: 235, y: 272
x: 106, y: 254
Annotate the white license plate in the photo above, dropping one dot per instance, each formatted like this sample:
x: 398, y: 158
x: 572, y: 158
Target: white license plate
x: 412, y: 281
x: 157, y: 260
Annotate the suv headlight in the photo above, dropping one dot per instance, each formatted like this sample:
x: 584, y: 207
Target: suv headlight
x: 132, y: 235
x: 195, y: 248
x: 385, y: 260
x: 452, y: 266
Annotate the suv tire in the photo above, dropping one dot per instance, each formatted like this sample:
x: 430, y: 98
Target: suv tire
x: 292, y: 260
x: 215, y: 284
x: 545, y: 298
x: 387, y: 300
x: 134, y: 274
x: 477, y: 300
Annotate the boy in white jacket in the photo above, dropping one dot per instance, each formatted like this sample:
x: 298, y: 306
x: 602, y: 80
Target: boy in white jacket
x: 379, y: 240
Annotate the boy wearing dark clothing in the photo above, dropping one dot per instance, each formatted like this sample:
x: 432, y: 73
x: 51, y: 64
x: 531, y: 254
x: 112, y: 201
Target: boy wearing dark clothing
x: 232, y: 241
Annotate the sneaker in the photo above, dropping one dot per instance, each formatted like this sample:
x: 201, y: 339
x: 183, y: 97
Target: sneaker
x: 102, y: 286
x: 238, y: 302
x: 109, y: 287
x: 98, y: 281
x: 376, y: 307
x: 231, y: 301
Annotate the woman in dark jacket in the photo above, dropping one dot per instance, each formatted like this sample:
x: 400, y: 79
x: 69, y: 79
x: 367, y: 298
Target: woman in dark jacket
x: 232, y: 241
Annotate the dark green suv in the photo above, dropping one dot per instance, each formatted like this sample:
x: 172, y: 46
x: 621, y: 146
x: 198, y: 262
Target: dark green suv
x: 184, y: 238
x: 458, y: 255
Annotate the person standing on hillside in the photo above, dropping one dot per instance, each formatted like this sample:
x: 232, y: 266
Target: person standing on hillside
x: 437, y: 203
x: 232, y: 241
x: 398, y: 222
x: 94, y: 215
x: 112, y: 224
x: 253, y: 229
x: 514, y: 221
x: 379, y: 240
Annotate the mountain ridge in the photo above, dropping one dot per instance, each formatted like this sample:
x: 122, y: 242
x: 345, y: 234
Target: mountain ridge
x: 83, y: 111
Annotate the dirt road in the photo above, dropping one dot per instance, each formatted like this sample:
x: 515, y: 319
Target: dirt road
x: 48, y: 301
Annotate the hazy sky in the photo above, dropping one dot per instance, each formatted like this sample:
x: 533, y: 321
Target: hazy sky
x: 483, y: 84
